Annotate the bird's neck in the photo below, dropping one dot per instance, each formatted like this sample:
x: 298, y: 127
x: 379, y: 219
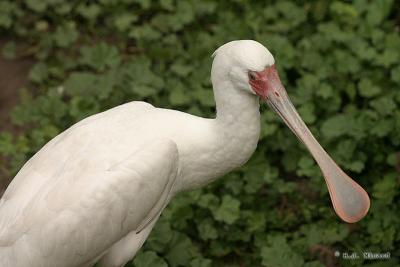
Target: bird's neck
x: 234, y: 134
x: 235, y: 107
x: 237, y: 124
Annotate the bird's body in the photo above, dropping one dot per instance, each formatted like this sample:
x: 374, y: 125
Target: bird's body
x: 95, y: 191
x: 61, y: 178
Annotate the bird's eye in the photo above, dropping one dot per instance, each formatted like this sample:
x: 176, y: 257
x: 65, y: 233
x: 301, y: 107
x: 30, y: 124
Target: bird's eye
x: 252, y: 76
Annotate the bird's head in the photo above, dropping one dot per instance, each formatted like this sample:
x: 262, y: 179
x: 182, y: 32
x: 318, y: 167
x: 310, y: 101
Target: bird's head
x: 249, y: 66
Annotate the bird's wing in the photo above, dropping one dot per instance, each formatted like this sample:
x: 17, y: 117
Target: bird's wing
x: 58, y: 154
x: 124, y: 198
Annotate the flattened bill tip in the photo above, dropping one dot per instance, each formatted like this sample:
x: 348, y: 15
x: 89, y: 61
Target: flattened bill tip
x: 350, y: 201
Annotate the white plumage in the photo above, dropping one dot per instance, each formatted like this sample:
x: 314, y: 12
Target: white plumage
x: 95, y: 191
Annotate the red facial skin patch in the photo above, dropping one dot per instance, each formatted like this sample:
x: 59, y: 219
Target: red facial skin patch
x: 263, y: 81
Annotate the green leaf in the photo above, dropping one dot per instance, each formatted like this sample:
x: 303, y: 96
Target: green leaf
x: 389, y: 57
x: 253, y: 179
x: 89, y: 84
x: 384, y: 105
x: 201, y: 262
x: 205, y: 97
x: 307, y: 167
x: 81, y: 83
x: 256, y: 221
x: 325, y: 91
x: 37, y: 5
x: 81, y: 108
x: 38, y: 72
x: 180, y: 251
x: 386, y: 188
x: 100, y: 56
x: 378, y: 10
x: 63, y: 8
x: 344, y: 12
x: 123, y: 21
x: 208, y: 201
x: 181, y: 69
x: 106, y: 83
x: 66, y: 34
x: 167, y: 4
x: 143, y: 90
x: 382, y: 127
x: 395, y: 74
x: 207, y: 230
x: 337, y: 125
x: 228, y: 211
x: 144, y: 33
x: 367, y: 89
x: 307, y: 113
x: 144, y: 3
x: 279, y: 254
x: 160, y: 236
x: 6, y: 14
x: 392, y: 159
x: 89, y: 11
x: 149, y: 259
x: 179, y: 97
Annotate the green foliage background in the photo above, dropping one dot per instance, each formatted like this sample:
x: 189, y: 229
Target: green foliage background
x: 339, y: 61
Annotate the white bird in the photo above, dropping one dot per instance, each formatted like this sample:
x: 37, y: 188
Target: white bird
x: 94, y: 192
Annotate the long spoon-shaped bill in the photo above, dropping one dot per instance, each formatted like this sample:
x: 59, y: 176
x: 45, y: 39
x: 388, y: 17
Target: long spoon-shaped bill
x: 349, y: 199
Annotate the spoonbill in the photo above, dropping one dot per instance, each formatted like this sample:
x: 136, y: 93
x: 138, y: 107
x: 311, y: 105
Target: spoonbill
x: 94, y: 192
